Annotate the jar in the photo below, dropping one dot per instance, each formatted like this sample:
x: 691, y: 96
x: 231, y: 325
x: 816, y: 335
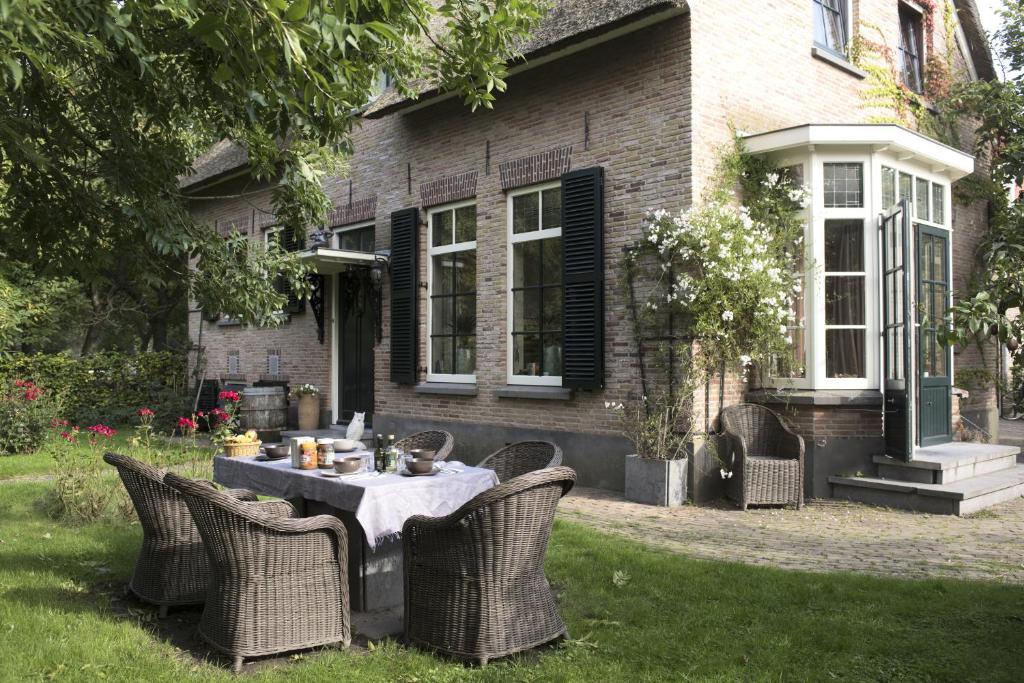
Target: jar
x: 308, y: 455
x: 325, y: 454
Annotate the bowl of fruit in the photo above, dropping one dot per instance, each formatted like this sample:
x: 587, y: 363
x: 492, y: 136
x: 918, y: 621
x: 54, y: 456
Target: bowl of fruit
x: 242, y: 444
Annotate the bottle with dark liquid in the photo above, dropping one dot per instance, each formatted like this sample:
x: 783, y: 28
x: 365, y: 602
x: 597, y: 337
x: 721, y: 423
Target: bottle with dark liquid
x: 379, y: 462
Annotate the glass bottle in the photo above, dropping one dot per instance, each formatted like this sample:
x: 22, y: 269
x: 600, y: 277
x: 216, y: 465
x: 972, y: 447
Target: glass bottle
x: 378, y: 454
x: 392, y: 454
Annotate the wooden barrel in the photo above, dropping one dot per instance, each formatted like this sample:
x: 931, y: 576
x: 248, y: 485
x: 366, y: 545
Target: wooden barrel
x: 264, y: 409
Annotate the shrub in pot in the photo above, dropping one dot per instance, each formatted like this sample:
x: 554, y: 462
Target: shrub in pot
x: 309, y: 406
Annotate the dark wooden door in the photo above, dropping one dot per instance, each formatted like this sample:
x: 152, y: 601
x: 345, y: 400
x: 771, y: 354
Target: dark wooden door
x: 897, y: 334
x: 356, y: 329
x: 933, y: 276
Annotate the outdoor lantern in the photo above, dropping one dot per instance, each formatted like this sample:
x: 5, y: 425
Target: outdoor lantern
x: 382, y: 260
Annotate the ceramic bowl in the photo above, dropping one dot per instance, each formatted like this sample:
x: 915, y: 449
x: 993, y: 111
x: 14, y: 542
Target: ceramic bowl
x: 347, y: 465
x: 344, y: 445
x: 419, y: 465
x: 276, y: 451
x: 422, y: 454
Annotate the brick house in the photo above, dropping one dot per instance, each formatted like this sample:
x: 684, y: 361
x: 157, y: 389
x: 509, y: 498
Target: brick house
x: 618, y: 107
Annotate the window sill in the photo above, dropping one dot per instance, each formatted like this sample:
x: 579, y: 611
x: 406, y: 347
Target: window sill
x: 819, y: 397
x: 839, y: 62
x: 446, y: 389
x: 534, y: 392
x: 237, y: 377
x: 228, y: 322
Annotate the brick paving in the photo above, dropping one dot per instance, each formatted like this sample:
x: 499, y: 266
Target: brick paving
x: 827, y: 535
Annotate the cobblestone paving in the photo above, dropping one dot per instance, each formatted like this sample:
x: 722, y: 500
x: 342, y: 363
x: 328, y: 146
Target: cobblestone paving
x: 827, y: 535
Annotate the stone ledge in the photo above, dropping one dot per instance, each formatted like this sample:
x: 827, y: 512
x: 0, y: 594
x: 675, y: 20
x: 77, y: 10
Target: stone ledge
x: 820, y: 397
x: 446, y: 389
x: 839, y: 62
x: 534, y: 392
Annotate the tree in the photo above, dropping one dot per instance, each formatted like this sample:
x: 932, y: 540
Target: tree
x: 106, y: 103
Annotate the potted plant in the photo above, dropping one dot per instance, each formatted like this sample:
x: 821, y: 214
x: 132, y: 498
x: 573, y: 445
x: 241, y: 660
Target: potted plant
x: 309, y: 406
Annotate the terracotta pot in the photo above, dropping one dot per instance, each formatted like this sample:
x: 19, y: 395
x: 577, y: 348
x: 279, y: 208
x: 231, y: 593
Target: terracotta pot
x: 309, y: 412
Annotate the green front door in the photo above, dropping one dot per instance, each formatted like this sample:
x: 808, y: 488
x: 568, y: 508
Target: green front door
x: 934, y: 358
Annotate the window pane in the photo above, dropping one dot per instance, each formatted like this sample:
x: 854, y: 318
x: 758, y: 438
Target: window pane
x: 465, y: 224
x: 906, y: 183
x: 938, y: 203
x: 552, y: 260
x: 844, y: 300
x: 830, y: 24
x: 552, y: 305
x: 526, y: 310
x: 552, y: 203
x: 526, y: 354
x: 552, y: 360
x: 465, y: 314
x: 526, y: 264
x: 921, y: 202
x: 465, y: 271
x: 441, y: 315
x: 465, y: 355
x: 844, y: 353
x: 844, y: 185
x: 844, y: 246
x: 356, y: 240
x: 443, y: 266
x: 441, y: 360
x: 441, y: 228
x: 525, y: 212
x: 888, y: 187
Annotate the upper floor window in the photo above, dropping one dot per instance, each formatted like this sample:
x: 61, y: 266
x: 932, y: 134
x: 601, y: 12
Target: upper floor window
x: 535, y: 291
x: 356, y: 238
x: 830, y: 24
x: 909, y: 51
x: 451, y: 354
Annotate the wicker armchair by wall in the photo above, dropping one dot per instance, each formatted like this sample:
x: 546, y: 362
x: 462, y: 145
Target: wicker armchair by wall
x: 521, y: 458
x: 474, y: 580
x: 767, y: 457
x: 438, y: 441
x: 277, y: 583
x: 171, y: 568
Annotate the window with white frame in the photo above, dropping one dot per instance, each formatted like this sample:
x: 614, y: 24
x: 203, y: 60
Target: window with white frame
x: 359, y: 237
x: 831, y: 25
x: 535, y: 285
x: 451, y: 316
x: 910, y: 48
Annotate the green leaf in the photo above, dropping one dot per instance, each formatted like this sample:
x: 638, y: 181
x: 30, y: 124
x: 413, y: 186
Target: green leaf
x: 208, y: 23
x: 297, y: 11
x: 223, y: 73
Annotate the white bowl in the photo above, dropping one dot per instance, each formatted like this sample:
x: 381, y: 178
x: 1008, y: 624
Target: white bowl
x: 344, y: 445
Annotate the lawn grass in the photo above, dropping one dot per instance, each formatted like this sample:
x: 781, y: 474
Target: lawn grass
x: 636, y: 614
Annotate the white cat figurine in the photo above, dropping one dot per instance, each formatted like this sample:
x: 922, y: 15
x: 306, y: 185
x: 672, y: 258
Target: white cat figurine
x: 355, y: 427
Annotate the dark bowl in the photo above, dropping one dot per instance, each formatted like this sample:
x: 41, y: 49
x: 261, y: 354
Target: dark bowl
x: 419, y: 465
x: 276, y: 451
x: 347, y: 465
x: 422, y: 454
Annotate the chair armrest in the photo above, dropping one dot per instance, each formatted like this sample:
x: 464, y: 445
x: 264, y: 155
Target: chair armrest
x: 303, y: 525
x: 237, y: 494
x: 273, y: 508
x: 737, y: 449
x: 791, y: 445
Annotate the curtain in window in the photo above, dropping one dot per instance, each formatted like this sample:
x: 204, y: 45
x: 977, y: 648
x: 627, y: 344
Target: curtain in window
x: 844, y: 299
x: 830, y: 24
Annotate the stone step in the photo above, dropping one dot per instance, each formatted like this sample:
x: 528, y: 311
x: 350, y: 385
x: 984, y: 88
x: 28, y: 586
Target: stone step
x: 955, y: 498
x: 945, y: 464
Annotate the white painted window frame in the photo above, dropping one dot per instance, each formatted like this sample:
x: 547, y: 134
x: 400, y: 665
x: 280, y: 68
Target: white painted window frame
x: 433, y: 251
x: 513, y: 239
x: 338, y: 231
x: 848, y: 20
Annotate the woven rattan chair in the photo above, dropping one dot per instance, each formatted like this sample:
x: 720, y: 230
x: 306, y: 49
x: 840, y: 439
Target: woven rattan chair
x: 767, y: 457
x: 436, y: 440
x: 277, y: 582
x: 520, y: 458
x: 474, y: 580
x: 171, y: 568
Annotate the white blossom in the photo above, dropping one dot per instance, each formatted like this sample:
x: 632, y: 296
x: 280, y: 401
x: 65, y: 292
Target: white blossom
x: 727, y: 316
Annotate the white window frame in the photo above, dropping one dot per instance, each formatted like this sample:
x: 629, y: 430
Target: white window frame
x: 336, y: 232
x: 513, y: 239
x: 433, y: 251
x: 848, y: 20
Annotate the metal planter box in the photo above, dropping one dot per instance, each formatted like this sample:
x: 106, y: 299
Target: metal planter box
x: 656, y: 482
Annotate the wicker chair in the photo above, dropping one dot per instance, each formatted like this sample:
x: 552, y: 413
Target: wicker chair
x: 277, y: 583
x: 474, y: 580
x: 520, y: 458
x: 438, y: 441
x: 767, y: 457
x: 171, y: 568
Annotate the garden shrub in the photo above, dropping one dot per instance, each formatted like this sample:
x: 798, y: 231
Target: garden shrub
x: 27, y: 411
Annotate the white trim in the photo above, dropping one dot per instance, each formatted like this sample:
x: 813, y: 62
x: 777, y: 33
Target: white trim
x: 336, y: 232
x: 513, y: 239
x: 432, y: 251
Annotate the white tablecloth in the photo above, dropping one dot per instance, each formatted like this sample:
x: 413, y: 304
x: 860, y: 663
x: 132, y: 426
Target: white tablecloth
x: 381, y: 503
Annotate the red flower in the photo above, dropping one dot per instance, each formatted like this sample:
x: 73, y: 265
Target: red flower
x: 32, y: 393
x: 229, y: 396
x: 145, y: 412
x: 187, y: 423
x: 200, y: 414
x: 58, y: 423
x: 69, y: 436
x: 102, y: 430
x: 220, y: 415
x: 23, y: 383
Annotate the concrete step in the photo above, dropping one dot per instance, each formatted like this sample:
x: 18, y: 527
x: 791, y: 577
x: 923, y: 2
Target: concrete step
x: 948, y: 463
x: 955, y: 498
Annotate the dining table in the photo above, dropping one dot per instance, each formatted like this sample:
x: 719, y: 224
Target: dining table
x: 372, y: 506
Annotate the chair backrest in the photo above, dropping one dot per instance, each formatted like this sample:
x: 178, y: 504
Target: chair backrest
x: 161, y: 509
x: 520, y: 458
x: 759, y: 426
x: 512, y: 521
x: 436, y: 440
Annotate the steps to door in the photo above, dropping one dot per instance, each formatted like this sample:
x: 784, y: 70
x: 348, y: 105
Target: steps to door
x: 955, y: 479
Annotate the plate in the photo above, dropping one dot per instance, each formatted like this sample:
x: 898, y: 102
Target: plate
x: 329, y: 473
x: 407, y: 473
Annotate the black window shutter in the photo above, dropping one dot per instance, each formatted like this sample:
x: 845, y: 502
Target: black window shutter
x: 583, y: 278
x: 404, y: 285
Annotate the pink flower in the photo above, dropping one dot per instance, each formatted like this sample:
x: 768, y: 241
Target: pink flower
x: 187, y: 424
x: 220, y: 415
x: 70, y: 437
x: 229, y: 396
x: 32, y: 393
x: 22, y: 383
x: 145, y: 412
x: 102, y: 430
x: 58, y: 423
x: 200, y: 414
